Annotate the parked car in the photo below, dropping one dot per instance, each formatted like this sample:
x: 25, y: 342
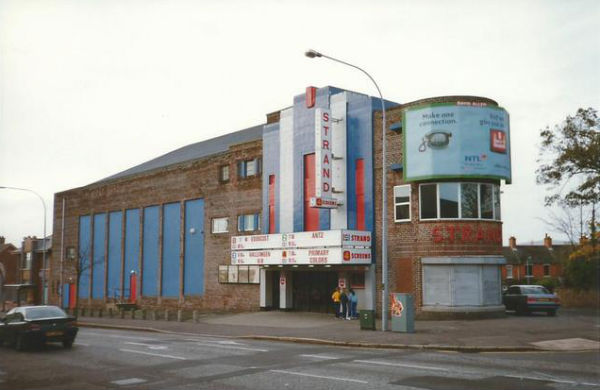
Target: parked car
x: 529, y: 298
x: 25, y: 326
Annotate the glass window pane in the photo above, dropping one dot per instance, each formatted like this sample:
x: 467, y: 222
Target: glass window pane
x: 223, y: 274
x: 254, y: 274
x: 243, y: 274
x: 468, y: 200
x: 220, y: 225
x: 251, y: 168
x: 497, y: 214
x: 428, y: 201
x: 233, y: 274
x: 402, y: 194
x: 225, y: 173
x: 487, y: 209
x: 248, y: 222
x: 448, y: 200
x: 402, y: 212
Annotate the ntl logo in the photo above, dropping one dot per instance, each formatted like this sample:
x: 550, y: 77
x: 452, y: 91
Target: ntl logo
x: 476, y: 158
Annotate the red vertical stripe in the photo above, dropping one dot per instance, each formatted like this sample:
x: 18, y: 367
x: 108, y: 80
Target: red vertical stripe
x: 271, y: 204
x: 311, y: 215
x: 72, y: 295
x: 133, y: 287
x: 360, y: 194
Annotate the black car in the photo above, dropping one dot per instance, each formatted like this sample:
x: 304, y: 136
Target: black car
x: 25, y: 326
x: 528, y: 298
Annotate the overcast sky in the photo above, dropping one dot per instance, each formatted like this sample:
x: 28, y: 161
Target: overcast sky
x: 91, y: 88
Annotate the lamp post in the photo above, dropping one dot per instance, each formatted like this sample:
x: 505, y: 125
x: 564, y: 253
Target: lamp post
x: 384, y: 261
x: 43, y: 239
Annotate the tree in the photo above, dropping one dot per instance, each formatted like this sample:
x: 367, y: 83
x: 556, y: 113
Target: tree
x: 79, y: 265
x: 573, y: 148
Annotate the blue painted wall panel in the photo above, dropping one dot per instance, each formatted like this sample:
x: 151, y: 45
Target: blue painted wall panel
x: 150, y: 251
x: 270, y: 167
x: 99, y: 256
x: 85, y: 251
x: 115, y: 224
x: 65, y: 297
x: 193, y: 279
x: 171, y: 247
x: 132, y: 246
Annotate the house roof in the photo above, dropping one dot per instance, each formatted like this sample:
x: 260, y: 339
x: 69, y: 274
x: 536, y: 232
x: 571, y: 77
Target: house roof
x: 538, y: 254
x: 8, y: 246
x: 192, y: 152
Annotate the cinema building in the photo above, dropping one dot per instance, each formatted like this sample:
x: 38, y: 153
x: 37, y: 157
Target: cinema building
x: 277, y: 215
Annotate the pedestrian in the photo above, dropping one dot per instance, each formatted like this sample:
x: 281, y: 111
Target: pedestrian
x: 335, y: 297
x: 344, y: 300
x: 353, y: 298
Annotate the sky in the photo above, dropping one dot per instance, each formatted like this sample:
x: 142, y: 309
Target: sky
x: 89, y: 88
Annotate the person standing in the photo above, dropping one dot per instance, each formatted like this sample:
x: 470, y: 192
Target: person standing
x: 344, y: 300
x: 335, y: 297
x: 353, y: 298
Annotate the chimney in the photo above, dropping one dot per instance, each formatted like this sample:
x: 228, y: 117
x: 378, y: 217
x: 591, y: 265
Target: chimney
x: 2, y: 240
x: 512, y: 242
x: 548, y: 241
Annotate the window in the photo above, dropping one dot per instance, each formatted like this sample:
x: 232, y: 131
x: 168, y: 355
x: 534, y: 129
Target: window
x: 546, y: 270
x: 448, y: 200
x: 402, y: 203
x: 220, y: 225
x: 249, y: 168
x: 27, y: 264
x: 509, y: 271
x: 459, y: 201
x: 239, y: 274
x: 428, y: 198
x: 248, y: 222
x: 469, y: 201
x: 528, y: 269
x: 224, y: 173
x: 486, y: 201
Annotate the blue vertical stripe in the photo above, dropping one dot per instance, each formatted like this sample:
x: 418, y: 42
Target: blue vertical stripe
x: 65, y: 297
x: 85, y: 249
x: 99, y: 256
x: 115, y: 224
x: 132, y: 246
x: 150, y: 251
x: 171, y: 247
x: 193, y: 279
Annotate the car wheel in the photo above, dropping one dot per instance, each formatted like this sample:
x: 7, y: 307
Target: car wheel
x: 521, y: 310
x: 552, y: 313
x: 68, y: 343
x: 20, y: 343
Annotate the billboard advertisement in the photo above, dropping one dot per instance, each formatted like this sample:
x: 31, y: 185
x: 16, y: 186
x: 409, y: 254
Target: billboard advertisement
x: 454, y: 140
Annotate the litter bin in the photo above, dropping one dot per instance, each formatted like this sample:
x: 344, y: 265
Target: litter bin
x: 367, y: 319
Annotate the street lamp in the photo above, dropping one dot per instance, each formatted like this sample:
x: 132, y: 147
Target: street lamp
x: 45, y: 300
x: 384, y: 263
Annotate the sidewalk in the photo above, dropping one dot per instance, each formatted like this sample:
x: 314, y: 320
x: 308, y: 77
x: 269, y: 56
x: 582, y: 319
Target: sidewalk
x: 572, y: 329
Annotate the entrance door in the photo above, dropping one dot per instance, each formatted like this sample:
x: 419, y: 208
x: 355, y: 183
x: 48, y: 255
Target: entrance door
x: 312, y: 291
x: 275, y: 288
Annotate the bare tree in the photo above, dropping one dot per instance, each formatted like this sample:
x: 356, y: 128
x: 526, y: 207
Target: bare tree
x: 571, y: 222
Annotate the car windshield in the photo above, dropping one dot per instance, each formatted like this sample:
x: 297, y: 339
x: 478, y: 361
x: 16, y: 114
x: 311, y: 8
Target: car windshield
x: 36, y: 313
x: 533, y: 290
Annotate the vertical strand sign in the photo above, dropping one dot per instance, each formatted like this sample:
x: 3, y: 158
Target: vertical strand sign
x: 323, y: 159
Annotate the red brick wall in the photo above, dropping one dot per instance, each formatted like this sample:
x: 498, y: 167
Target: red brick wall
x: 11, y: 265
x: 191, y: 180
x: 408, y: 242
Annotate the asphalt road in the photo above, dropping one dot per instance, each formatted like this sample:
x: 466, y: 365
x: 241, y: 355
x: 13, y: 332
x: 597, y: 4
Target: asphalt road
x: 102, y: 359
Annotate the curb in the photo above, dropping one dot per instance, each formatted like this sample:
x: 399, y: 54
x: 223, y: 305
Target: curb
x: 303, y: 340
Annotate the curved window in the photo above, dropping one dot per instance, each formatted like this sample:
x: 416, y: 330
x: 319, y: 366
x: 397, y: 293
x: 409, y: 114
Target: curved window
x: 459, y: 201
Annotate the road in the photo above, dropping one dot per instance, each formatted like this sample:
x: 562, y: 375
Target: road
x: 102, y: 359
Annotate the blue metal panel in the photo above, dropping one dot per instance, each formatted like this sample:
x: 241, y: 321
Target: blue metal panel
x: 132, y: 246
x: 85, y: 250
x: 193, y: 278
x: 99, y: 256
x: 150, y: 250
x: 65, y: 296
x: 270, y: 167
x: 115, y: 224
x: 171, y: 246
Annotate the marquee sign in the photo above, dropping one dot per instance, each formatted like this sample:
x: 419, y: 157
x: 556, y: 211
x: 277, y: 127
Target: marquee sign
x: 308, y: 256
x: 316, y: 239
